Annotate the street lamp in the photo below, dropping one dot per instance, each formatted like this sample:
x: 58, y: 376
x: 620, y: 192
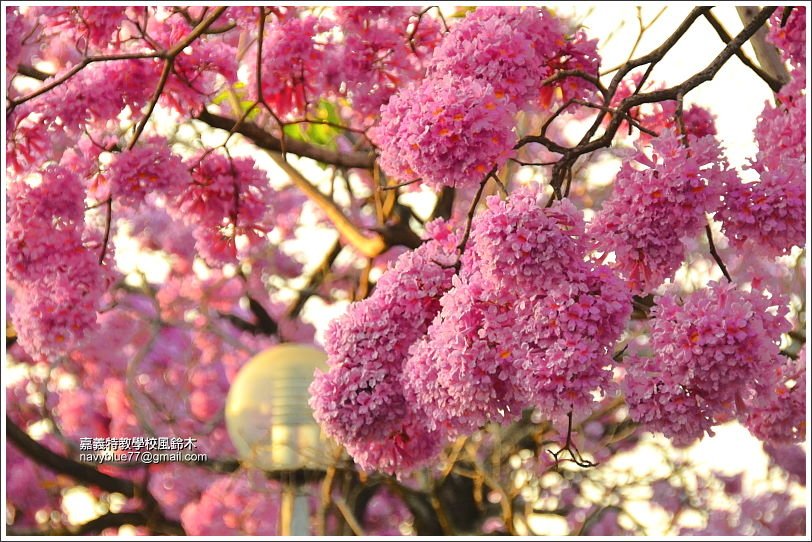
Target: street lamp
x: 271, y: 424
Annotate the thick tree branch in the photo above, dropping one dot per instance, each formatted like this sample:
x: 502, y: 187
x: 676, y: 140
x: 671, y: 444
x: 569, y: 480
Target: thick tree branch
x: 63, y: 465
x: 766, y: 53
x: 774, y: 83
x: 264, y: 140
x: 370, y: 244
x: 265, y: 322
x: 32, y: 72
x: 445, y: 204
x: 112, y: 519
x: 150, y: 515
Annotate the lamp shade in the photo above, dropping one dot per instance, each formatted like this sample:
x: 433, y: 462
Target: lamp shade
x: 267, y: 414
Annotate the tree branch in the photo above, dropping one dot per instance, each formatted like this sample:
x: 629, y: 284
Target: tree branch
x: 369, y: 244
x: 445, y: 204
x: 586, y: 146
x: 315, y: 280
x: 716, y: 257
x: 32, y: 72
x: 774, y: 83
x: 151, y: 514
x: 265, y: 140
x: 265, y: 322
x: 79, y: 471
x: 766, y: 53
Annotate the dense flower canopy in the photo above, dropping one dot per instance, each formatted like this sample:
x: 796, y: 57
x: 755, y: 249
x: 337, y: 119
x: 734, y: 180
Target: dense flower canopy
x: 520, y: 261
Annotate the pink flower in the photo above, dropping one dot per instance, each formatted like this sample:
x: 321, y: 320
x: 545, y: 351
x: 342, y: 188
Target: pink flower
x: 227, y: 198
x: 769, y: 214
x: 242, y: 504
x: 519, y: 245
x: 712, y: 350
x: 94, y: 24
x: 514, y: 49
x: 777, y: 412
x: 360, y: 400
x: 58, y: 281
x: 384, y: 513
x: 291, y: 66
x: 148, y: 168
x: 661, y: 405
x: 445, y: 131
x: 657, y: 203
x: 471, y: 367
x: 29, y: 489
x: 781, y: 129
x: 376, y: 57
x: 175, y: 485
x: 791, y: 37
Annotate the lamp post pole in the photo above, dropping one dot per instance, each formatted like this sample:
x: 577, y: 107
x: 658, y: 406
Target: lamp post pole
x: 271, y: 424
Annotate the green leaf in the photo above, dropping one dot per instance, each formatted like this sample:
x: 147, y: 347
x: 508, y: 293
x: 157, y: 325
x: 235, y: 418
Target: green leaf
x: 294, y: 131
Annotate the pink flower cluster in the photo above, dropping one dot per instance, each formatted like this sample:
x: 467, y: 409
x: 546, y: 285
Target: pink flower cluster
x: 771, y: 213
x: 384, y: 514
x: 511, y: 332
x: 472, y: 365
x: 87, y: 25
x: 656, y: 202
x: 176, y: 486
x: 515, y: 49
x: 378, y: 53
x: 198, y: 72
x: 791, y: 37
x: 360, y: 400
x: 781, y: 129
x: 17, y: 35
x: 445, y: 131
x: 659, y: 403
x: 767, y: 514
x: 777, y: 411
x: 80, y: 412
x: 517, y: 245
x: 57, y: 280
x: 244, y: 504
x: 227, y: 198
x: 433, y: 355
x: 791, y: 458
x: 575, y: 326
x: 44, y: 127
x: 711, y: 349
x: 148, y: 168
x: 291, y: 66
x: 457, y: 124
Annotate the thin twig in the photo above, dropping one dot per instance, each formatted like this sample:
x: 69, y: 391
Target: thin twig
x: 715, y: 254
x: 401, y: 185
x: 569, y: 446
x: 470, y: 217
